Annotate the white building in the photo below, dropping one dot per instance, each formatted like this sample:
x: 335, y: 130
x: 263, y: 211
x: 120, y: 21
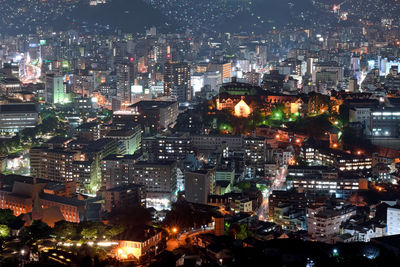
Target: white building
x: 393, y: 220
x: 324, y: 224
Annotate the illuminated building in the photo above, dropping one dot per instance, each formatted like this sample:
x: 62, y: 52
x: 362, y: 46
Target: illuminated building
x: 393, y: 220
x: 211, y: 142
x: 385, y: 122
x: 159, y: 179
x: 199, y: 185
x: 230, y: 94
x: 139, y: 242
x: 54, y: 89
x: 253, y: 78
x: 226, y: 71
x: 323, y: 224
x: 327, y: 71
x: 124, y: 80
x: 333, y: 157
x: 84, y: 104
x: 88, y: 131
x: 117, y: 170
x: 295, y: 199
x: 342, y: 188
x: 254, y: 154
x: 10, y: 86
x: 52, y: 164
x: 242, y: 109
x: 17, y: 193
x: 177, y: 78
x: 130, y: 139
x: 84, y: 172
x: 16, y: 117
x: 360, y: 114
x: 161, y: 148
x: 289, y: 217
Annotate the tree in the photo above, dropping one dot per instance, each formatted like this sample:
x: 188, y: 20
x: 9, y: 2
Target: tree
x: 65, y: 230
x: 36, y: 231
x: 4, y: 231
x: 6, y: 216
x: 112, y: 231
x: 89, y: 233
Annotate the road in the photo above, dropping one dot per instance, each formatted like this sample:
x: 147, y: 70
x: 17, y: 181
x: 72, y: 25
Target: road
x: 277, y: 184
x: 174, y: 243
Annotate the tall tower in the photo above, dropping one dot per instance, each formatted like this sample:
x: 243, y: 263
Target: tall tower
x: 54, y: 89
x: 177, y: 80
x: 123, y: 82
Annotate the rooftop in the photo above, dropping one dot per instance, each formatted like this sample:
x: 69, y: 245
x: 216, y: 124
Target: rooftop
x: 18, y: 108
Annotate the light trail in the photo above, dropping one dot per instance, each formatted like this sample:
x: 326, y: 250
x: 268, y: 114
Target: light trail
x: 278, y: 184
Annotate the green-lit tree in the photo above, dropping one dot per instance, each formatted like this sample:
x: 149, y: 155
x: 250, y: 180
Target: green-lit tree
x: 89, y: 233
x: 64, y: 230
x: 4, y: 231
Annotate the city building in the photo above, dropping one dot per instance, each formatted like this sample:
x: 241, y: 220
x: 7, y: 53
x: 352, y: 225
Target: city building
x: 177, y: 80
x: 323, y: 224
x: 55, y: 92
x: 16, y: 117
x: 155, y: 116
x: 393, y: 220
x: 124, y: 197
x: 199, y: 185
x: 161, y: 148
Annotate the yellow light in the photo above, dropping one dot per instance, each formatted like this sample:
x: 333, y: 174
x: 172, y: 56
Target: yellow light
x: 242, y: 109
x: 174, y: 230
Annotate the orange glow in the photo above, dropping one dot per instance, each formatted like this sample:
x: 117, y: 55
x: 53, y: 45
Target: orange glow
x: 174, y: 230
x: 298, y: 140
x: 380, y: 189
x: 277, y: 136
x: 358, y: 152
x: 129, y: 250
x: 242, y: 109
x: 335, y: 145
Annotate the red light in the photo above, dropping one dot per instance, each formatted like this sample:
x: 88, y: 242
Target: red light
x: 168, y: 55
x: 131, y: 59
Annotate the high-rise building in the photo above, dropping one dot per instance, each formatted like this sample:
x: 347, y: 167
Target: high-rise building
x: 159, y: 178
x: 123, y: 83
x: 53, y: 164
x: 55, y: 92
x: 254, y: 154
x: 177, y: 80
x: 199, y: 185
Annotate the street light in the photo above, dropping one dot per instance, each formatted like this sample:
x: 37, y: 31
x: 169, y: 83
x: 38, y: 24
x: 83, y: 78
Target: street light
x: 174, y: 230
